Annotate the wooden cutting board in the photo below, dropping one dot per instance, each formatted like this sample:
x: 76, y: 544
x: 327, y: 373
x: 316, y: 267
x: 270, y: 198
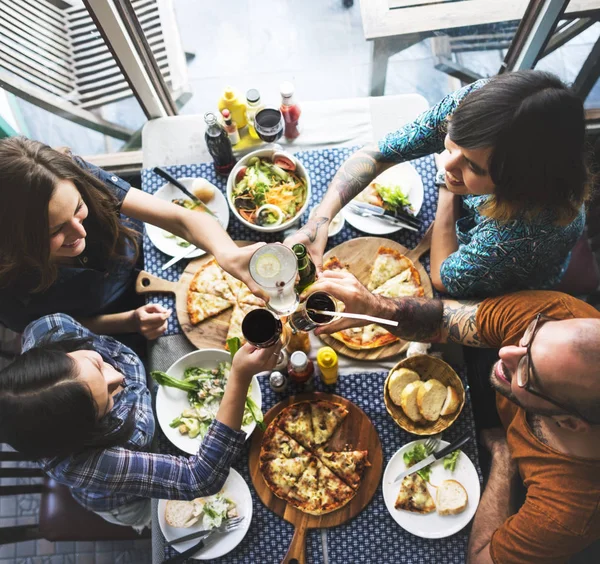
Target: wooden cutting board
x: 359, y: 255
x: 209, y: 334
x: 357, y: 431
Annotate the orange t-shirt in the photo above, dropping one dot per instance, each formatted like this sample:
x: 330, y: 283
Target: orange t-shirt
x: 561, y: 513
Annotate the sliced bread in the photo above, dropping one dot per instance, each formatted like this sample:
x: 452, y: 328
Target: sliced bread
x: 451, y: 498
x: 398, y: 381
x: 408, y: 401
x: 452, y: 402
x: 182, y: 514
x: 430, y: 399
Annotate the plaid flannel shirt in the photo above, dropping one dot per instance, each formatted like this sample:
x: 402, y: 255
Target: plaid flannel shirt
x: 108, y: 478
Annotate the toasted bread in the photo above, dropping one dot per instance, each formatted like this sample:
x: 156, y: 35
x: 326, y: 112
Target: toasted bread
x: 399, y: 379
x: 408, y: 401
x: 452, y: 402
x: 182, y: 514
x: 430, y: 398
x: 451, y: 498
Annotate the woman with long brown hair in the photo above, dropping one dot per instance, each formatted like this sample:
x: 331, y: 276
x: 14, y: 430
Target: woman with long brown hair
x: 69, y: 241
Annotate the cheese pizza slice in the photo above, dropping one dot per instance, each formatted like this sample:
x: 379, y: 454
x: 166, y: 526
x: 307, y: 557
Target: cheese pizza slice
x: 388, y: 263
x: 407, y: 283
x: 326, y: 418
x: 305, y: 494
x: 334, y: 263
x: 334, y: 492
x: 277, y: 444
x: 375, y: 336
x: 347, y: 465
x: 233, y: 282
x: 282, y: 474
x: 235, y: 323
x: 414, y: 495
x: 351, y: 337
x: 245, y: 296
x: 202, y: 306
x: 209, y: 279
x: 296, y: 421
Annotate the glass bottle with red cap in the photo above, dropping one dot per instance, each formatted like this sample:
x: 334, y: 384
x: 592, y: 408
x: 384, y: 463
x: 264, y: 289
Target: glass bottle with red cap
x: 290, y: 110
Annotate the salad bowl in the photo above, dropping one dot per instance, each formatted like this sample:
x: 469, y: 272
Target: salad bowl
x: 265, y: 197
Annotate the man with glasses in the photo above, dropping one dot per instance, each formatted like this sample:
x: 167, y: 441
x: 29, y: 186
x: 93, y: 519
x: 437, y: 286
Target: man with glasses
x: 548, y: 383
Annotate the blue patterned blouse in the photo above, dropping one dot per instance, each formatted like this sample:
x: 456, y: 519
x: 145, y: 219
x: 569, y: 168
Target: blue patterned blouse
x: 493, y: 257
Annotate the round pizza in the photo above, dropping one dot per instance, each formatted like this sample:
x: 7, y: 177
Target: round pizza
x: 296, y: 464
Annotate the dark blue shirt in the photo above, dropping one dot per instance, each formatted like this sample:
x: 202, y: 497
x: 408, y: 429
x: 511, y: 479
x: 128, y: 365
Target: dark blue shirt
x: 83, y: 290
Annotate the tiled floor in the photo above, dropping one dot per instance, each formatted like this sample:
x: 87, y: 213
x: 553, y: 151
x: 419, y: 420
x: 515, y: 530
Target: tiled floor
x: 318, y: 45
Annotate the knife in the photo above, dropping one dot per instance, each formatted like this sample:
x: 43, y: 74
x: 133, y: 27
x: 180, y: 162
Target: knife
x: 433, y: 457
x: 187, y: 252
x: 183, y: 556
x: 385, y: 218
x: 193, y: 536
x: 381, y: 212
x: 164, y: 174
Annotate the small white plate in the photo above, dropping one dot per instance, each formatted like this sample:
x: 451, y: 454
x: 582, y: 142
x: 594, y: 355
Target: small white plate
x: 332, y: 231
x: 170, y: 402
x: 432, y: 525
x: 168, y: 192
x: 404, y: 175
x: 237, y: 490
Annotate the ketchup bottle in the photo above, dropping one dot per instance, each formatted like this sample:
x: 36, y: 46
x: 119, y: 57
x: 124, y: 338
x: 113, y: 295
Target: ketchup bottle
x: 290, y: 110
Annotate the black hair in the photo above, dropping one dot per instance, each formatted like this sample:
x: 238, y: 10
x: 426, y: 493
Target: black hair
x: 535, y: 126
x: 46, y: 411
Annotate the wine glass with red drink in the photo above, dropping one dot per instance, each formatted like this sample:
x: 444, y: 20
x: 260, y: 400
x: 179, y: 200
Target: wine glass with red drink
x: 268, y: 124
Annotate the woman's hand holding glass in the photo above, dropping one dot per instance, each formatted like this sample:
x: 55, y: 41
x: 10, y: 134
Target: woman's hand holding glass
x: 235, y: 260
x: 250, y: 360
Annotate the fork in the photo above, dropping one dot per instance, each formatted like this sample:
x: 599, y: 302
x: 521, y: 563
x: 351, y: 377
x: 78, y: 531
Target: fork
x: 227, y: 527
x: 200, y: 534
x: 432, y: 443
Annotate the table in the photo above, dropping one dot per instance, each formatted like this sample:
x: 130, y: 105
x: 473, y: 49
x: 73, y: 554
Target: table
x: 395, y: 25
x: 364, y: 120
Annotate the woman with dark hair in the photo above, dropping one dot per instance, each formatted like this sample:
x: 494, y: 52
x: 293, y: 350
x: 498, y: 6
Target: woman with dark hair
x: 69, y: 242
x: 79, y: 404
x: 515, y: 182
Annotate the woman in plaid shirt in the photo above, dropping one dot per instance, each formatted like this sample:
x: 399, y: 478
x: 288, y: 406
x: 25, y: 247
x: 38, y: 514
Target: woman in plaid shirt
x: 78, y: 402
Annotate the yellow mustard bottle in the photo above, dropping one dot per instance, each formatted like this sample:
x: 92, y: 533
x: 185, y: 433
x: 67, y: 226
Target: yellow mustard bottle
x: 328, y: 365
x: 231, y: 101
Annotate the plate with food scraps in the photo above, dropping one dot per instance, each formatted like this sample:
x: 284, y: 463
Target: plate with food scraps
x: 234, y: 492
x: 393, y: 187
x: 184, y: 423
x: 213, y: 198
x: 457, y: 501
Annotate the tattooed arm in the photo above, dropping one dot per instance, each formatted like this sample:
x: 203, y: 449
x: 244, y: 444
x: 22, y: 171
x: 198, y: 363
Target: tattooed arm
x: 419, y: 319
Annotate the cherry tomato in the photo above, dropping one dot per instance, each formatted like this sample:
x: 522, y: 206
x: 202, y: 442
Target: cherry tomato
x: 240, y: 174
x: 284, y: 163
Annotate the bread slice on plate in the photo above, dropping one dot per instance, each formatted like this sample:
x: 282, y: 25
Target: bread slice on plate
x: 398, y: 381
x: 430, y: 399
x: 452, y: 402
x: 183, y: 514
x: 408, y: 401
x: 451, y: 498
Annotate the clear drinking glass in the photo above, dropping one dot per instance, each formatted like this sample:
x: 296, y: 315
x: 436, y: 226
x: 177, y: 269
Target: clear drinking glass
x: 263, y: 329
x: 306, y: 320
x: 268, y: 124
x: 274, y: 268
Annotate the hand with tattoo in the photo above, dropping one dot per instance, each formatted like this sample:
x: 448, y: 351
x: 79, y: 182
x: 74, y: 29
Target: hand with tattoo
x: 313, y: 235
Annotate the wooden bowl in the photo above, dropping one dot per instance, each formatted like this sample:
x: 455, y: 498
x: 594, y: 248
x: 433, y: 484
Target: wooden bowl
x: 427, y: 367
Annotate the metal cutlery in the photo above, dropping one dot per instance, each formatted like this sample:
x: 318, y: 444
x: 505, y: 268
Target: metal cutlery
x: 164, y: 174
x: 226, y: 527
x: 433, y: 457
x: 398, y: 214
x: 187, y: 252
x: 432, y: 443
x: 387, y: 219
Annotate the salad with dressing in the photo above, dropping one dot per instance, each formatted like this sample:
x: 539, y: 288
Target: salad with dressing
x: 268, y: 193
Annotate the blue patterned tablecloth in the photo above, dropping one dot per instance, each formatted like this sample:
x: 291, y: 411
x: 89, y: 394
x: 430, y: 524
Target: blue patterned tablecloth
x: 321, y: 165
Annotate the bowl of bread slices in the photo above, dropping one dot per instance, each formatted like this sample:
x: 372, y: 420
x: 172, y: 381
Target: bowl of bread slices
x: 424, y: 395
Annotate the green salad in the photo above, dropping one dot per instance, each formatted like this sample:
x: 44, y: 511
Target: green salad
x: 215, y: 509
x: 393, y: 197
x: 205, y: 388
x: 266, y: 194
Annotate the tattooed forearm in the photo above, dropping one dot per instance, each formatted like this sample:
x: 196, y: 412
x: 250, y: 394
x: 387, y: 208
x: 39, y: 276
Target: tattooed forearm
x: 418, y: 319
x: 357, y: 173
x: 459, y: 323
x: 311, y: 229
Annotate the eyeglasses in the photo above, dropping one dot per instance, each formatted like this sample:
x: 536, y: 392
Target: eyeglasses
x: 526, y: 373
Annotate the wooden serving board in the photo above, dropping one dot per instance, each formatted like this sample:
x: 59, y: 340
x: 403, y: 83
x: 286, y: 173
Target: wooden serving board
x: 209, y: 334
x: 357, y: 431
x: 359, y: 255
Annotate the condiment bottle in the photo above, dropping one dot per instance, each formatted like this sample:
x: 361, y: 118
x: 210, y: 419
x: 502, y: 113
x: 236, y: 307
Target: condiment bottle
x: 298, y: 341
x: 306, y: 268
x: 328, y: 365
x: 278, y: 382
x: 237, y: 107
x: 282, y: 361
x: 253, y: 106
x: 290, y: 110
x: 218, y: 144
x: 231, y: 127
x: 300, y: 367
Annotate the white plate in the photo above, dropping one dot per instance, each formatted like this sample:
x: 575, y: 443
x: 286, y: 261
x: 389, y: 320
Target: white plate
x: 404, y: 175
x: 432, y: 525
x: 218, y: 205
x: 170, y: 402
x: 237, y: 490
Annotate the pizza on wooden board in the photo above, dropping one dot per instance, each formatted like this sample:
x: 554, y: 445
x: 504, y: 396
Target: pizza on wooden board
x: 296, y: 465
x: 392, y: 275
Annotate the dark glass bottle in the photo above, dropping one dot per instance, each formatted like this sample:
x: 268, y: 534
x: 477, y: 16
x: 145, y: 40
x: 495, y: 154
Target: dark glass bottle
x: 306, y: 268
x: 219, y: 145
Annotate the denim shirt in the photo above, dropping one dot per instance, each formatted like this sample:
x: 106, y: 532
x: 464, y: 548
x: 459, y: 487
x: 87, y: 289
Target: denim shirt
x: 83, y: 290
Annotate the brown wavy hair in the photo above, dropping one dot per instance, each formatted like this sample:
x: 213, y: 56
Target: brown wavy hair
x: 29, y: 173
x: 536, y: 128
